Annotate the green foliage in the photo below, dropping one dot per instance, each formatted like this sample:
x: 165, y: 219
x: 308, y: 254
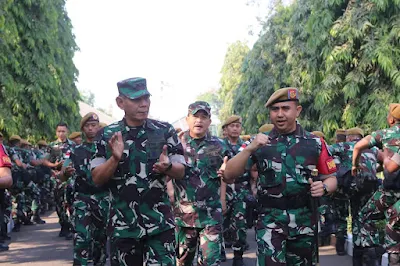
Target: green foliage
x: 37, y: 74
x: 344, y: 56
x: 88, y: 97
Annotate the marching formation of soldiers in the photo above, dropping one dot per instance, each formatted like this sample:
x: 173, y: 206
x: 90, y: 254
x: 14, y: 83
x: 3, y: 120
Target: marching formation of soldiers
x: 162, y: 196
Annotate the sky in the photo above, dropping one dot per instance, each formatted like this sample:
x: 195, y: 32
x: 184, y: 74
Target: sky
x: 178, y: 43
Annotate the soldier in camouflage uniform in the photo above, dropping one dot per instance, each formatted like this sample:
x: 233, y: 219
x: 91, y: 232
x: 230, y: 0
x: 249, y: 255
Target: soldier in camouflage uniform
x: 385, y: 200
x: 91, y: 202
x: 359, y: 189
x: 59, y: 151
x: 76, y: 137
x: 5, y: 182
x: 341, y: 197
x: 198, y: 210
x: 133, y: 157
x: 241, y: 189
x: 285, y: 158
x: 45, y: 175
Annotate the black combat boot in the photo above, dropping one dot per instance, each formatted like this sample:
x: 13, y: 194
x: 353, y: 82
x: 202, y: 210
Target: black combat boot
x: 4, y: 232
x: 36, y: 218
x: 340, y: 250
x: 394, y: 259
x: 370, y: 257
x: 238, y: 256
x: 63, y: 232
x: 223, y: 255
x: 69, y: 235
x: 3, y: 247
x: 17, y: 227
x: 358, y: 256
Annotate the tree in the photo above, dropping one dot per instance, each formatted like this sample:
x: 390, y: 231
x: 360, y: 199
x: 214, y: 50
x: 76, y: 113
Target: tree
x: 344, y: 56
x: 88, y: 97
x: 37, y: 74
x: 231, y: 76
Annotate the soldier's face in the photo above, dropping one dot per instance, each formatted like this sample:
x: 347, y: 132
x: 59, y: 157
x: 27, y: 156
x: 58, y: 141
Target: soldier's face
x: 62, y: 132
x: 90, y: 129
x: 234, y: 130
x: 78, y: 140
x: 283, y: 115
x: 198, y: 124
x: 137, y: 109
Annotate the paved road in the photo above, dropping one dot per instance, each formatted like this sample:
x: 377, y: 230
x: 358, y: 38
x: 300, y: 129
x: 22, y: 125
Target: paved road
x: 40, y: 245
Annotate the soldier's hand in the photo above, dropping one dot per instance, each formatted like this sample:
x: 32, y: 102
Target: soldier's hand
x: 163, y: 163
x: 116, y: 145
x: 259, y: 141
x: 354, y: 171
x: 316, y: 188
x: 69, y: 171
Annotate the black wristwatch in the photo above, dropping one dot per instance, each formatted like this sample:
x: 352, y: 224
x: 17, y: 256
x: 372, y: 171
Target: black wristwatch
x: 326, y: 192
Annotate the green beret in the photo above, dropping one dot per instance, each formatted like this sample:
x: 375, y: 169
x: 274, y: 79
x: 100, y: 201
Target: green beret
x: 355, y: 131
x: 232, y: 119
x: 266, y: 128
x: 15, y: 137
x: 283, y: 95
x: 394, y: 110
x: 133, y: 88
x: 89, y: 117
x: 318, y: 134
x: 75, y: 135
x: 199, y: 105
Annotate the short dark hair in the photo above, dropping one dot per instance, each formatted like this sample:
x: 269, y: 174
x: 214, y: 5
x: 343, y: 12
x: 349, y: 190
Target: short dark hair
x: 62, y: 124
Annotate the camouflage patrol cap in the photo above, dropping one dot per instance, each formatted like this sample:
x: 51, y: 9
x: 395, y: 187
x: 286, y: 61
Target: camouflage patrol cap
x: 232, y: 119
x: 89, y: 117
x: 42, y: 143
x: 15, y: 137
x: 355, y: 131
x: 75, y: 135
x: 318, y: 134
x: 199, y: 105
x: 102, y: 124
x: 283, y: 95
x: 394, y: 110
x: 266, y: 128
x: 133, y: 88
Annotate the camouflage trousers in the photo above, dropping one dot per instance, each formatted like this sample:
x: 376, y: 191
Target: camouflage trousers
x: 90, y: 219
x: 382, y: 203
x: 341, y: 205
x: 209, y: 240
x: 157, y: 250
x: 238, y: 222
x: 18, y: 208
x: 8, y: 206
x: 285, y: 237
x: 61, y: 206
x: 326, y: 213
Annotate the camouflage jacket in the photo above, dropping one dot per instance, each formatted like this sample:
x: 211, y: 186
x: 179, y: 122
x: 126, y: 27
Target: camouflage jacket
x: 139, y: 199
x: 60, y: 150
x: 15, y: 154
x: 368, y: 159
x: 80, y: 158
x: 285, y: 164
x: 197, y: 196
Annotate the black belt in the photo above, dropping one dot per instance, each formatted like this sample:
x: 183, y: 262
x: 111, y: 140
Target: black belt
x: 285, y: 203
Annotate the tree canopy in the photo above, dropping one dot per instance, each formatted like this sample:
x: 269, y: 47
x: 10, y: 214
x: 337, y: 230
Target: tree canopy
x: 37, y: 74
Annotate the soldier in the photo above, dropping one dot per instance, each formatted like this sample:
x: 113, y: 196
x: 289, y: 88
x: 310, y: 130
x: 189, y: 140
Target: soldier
x: 326, y: 212
x: 91, y: 202
x: 385, y: 200
x: 76, y: 137
x: 60, y: 150
x: 341, y: 196
x: 133, y: 157
x: 5, y: 182
x: 285, y: 159
x: 198, y: 212
x: 241, y: 189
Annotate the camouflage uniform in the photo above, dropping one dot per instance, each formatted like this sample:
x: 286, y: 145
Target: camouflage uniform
x: 286, y: 222
x: 90, y: 208
x: 238, y: 216
x: 61, y: 151
x: 359, y: 189
x: 198, y: 210
x: 385, y: 200
x: 140, y: 219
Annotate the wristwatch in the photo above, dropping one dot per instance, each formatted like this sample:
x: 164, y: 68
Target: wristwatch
x: 326, y: 192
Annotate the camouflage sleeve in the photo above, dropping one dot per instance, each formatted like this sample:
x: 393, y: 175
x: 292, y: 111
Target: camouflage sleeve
x: 326, y: 166
x: 175, y: 148
x: 376, y: 139
x: 253, y: 158
x: 100, y: 155
x: 336, y: 149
